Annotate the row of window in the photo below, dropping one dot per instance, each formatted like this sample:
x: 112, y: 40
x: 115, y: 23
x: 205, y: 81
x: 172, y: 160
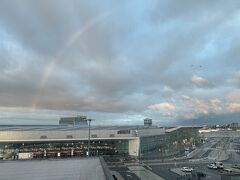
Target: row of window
x: 70, y: 136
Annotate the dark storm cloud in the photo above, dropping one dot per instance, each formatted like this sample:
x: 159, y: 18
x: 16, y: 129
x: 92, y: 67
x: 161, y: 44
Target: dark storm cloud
x: 122, y: 57
x: 214, y: 119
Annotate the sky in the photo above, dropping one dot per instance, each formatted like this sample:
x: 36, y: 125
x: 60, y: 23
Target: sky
x: 119, y: 62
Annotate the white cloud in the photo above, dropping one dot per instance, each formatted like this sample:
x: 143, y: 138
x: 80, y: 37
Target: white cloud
x: 193, y: 107
x: 201, y: 82
x: 163, y: 106
x: 233, y: 107
x: 184, y: 97
x: 233, y: 95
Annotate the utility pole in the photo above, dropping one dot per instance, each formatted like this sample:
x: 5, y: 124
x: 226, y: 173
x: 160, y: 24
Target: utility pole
x: 89, y: 128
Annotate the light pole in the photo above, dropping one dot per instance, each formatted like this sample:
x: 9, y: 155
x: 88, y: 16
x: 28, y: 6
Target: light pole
x: 89, y: 127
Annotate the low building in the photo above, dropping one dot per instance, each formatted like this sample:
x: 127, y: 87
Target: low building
x: 46, y: 141
x: 49, y: 140
x: 234, y: 126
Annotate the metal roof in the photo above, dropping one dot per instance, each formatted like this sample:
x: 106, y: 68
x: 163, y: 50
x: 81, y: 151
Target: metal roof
x: 67, y: 127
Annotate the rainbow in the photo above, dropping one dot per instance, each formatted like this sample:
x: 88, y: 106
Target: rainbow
x: 54, y: 61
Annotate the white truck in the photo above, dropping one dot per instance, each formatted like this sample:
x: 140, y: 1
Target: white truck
x: 25, y: 156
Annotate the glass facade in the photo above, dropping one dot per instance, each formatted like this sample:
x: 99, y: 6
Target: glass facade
x: 171, y: 143
x: 66, y: 149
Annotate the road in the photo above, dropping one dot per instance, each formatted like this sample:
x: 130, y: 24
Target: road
x: 163, y: 170
x: 234, y: 151
x: 215, y: 149
x: 166, y: 173
x: 125, y: 173
x: 204, y: 150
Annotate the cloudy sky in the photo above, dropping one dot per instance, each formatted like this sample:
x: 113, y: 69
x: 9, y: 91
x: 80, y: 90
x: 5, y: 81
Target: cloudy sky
x: 118, y: 62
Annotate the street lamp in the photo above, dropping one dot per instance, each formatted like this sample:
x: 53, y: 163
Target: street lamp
x: 89, y: 127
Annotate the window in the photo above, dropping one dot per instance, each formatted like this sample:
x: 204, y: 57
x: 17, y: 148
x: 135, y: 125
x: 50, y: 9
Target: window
x: 43, y: 137
x: 69, y: 136
x: 93, y: 136
x: 126, y: 131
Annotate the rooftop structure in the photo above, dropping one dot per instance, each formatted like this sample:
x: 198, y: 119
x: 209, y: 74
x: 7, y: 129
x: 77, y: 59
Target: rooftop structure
x: 75, y: 121
x: 147, y: 122
x: 171, y: 129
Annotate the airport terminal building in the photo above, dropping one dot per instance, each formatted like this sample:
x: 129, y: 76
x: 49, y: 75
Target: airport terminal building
x: 47, y: 141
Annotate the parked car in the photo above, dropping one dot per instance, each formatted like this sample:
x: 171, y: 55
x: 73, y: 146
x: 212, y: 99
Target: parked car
x: 237, y: 166
x: 186, y: 169
x: 228, y: 170
x: 212, y: 166
x: 219, y: 165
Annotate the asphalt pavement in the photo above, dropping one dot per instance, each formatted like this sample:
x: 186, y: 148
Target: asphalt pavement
x: 164, y: 172
x: 125, y: 173
x: 199, y: 161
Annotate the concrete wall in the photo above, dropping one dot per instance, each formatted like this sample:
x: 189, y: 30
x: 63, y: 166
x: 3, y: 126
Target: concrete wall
x: 133, y: 147
x: 18, y: 135
x: 58, y: 134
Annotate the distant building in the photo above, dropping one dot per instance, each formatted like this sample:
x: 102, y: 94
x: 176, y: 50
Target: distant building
x: 234, y: 126
x: 75, y: 121
x: 147, y: 122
